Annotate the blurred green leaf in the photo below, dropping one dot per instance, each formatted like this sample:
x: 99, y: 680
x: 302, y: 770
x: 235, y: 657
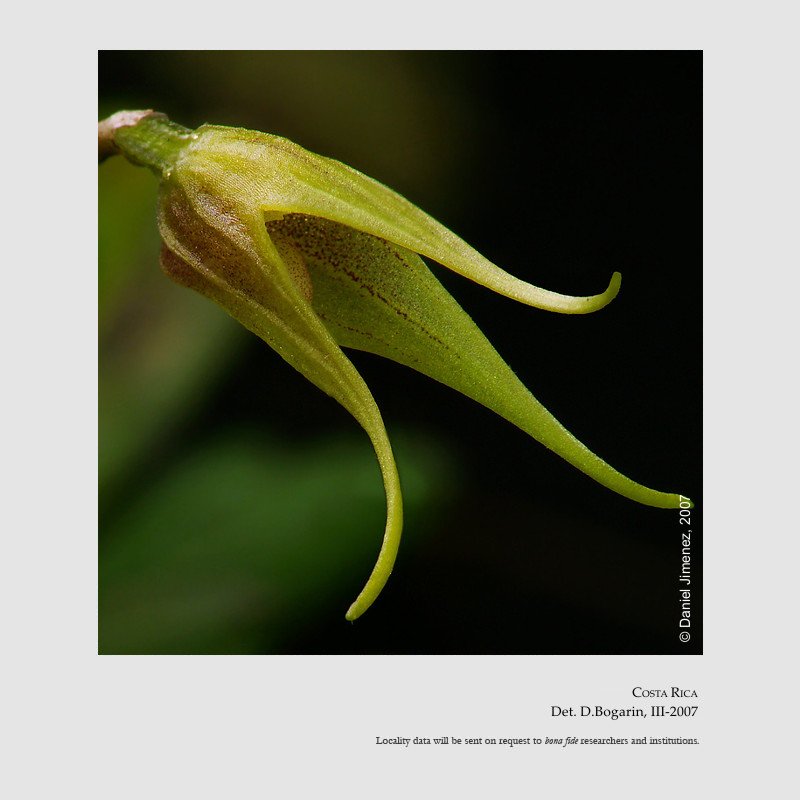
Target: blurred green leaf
x: 244, y: 541
x: 128, y: 240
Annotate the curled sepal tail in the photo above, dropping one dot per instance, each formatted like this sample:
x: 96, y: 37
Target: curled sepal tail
x: 280, y: 176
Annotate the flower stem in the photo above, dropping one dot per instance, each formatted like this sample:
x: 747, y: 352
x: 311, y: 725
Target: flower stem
x: 146, y: 138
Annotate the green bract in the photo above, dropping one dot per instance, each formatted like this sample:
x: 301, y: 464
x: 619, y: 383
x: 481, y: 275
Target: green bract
x: 312, y: 256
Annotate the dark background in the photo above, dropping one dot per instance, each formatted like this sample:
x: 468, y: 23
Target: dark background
x: 241, y: 509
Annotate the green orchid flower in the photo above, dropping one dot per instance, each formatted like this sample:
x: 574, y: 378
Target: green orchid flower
x: 312, y: 256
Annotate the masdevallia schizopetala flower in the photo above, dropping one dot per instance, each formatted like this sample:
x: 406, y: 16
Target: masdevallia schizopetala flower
x: 312, y: 256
